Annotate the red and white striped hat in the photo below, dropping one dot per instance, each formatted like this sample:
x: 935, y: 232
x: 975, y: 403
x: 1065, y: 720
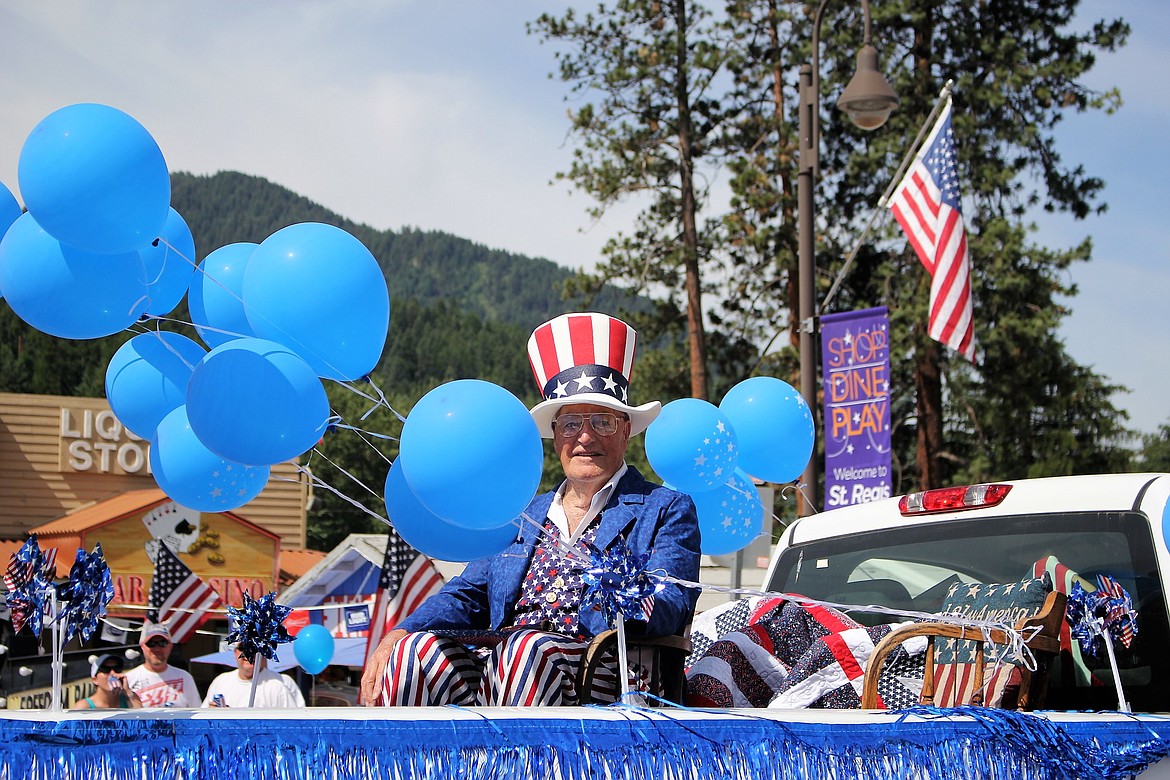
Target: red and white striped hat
x: 585, y: 359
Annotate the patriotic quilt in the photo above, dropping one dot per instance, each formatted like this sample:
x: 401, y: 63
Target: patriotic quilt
x: 786, y: 655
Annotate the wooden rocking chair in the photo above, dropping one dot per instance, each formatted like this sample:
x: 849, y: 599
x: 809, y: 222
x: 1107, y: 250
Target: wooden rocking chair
x: 1044, y: 644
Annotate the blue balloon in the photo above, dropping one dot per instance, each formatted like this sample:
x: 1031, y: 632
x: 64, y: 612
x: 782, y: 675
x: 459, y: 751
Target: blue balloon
x: 95, y: 179
x: 428, y: 533
x: 216, y: 296
x: 9, y: 212
x: 774, y: 426
x: 195, y: 477
x: 147, y: 379
x: 471, y: 453
x: 318, y: 290
x: 9, y: 209
x: 692, y: 445
x: 256, y: 402
x: 169, y: 265
x: 730, y: 516
x: 66, y: 292
x: 313, y: 648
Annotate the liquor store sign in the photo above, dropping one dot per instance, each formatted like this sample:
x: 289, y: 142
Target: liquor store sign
x: 96, y: 441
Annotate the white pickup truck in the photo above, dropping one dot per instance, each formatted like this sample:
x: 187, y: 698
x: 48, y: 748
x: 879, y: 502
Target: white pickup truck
x: 905, y: 552
x: 902, y: 553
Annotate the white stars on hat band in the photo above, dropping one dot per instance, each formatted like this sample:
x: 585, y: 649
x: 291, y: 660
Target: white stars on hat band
x: 594, y: 379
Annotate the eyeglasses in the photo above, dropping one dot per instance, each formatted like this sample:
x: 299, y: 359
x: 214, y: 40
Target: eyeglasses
x: 108, y: 669
x: 158, y: 642
x: 602, y: 423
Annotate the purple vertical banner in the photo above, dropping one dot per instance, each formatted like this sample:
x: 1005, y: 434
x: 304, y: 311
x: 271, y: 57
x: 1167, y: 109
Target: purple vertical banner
x: 855, y: 349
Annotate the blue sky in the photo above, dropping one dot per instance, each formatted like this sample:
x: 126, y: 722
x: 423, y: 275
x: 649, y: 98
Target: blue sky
x: 441, y: 116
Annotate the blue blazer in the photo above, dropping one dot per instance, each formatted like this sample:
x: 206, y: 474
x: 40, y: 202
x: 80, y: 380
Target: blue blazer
x: 649, y: 517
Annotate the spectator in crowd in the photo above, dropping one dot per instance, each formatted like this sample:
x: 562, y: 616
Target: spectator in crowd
x: 235, y: 688
x: 112, y: 692
x: 156, y: 682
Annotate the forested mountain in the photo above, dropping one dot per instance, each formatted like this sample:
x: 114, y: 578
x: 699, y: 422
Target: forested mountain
x: 425, y: 266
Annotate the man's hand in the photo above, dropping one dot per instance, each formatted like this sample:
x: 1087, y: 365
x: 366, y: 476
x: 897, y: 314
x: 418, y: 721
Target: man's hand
x: 376, y: 668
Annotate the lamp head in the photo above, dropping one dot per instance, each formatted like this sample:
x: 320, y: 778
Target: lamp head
x: 868, y: 99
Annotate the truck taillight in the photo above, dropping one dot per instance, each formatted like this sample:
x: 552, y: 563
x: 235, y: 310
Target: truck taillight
x: 952, y: 499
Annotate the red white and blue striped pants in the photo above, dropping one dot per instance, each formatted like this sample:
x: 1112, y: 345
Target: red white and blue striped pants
x: 528, y: 668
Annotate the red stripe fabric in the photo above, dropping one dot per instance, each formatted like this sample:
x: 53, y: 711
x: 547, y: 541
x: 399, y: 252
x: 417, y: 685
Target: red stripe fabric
x: 546, y: 348
x: 581, y: 337
x: 617, y: 349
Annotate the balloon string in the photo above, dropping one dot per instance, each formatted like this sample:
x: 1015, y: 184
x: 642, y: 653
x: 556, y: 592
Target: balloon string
x: 318, y: 482
x: 141, y: 298
x: 565, y: 550
x: 221, y: 611
x: 377, y: 402
x: 361, y: 484
x: 362, y: 433
x: 168, y: 346
x: 209, y: 328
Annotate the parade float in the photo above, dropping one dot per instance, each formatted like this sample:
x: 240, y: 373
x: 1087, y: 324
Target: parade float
x: 99, y: 250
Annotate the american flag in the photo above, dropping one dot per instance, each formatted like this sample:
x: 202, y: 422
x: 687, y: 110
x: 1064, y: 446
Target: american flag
x: 926, y: 205
x: 34, y: 561
x: 28, y: 564
x: 178, y: 597
x: 408, y: 578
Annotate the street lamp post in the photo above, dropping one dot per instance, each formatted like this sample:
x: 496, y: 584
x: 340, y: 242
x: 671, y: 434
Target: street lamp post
x: 868, y: 100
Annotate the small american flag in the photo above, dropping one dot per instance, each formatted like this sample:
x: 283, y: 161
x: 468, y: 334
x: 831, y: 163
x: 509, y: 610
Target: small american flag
x: 22, y: 569
x: 178, y: 597
x: 1119, y: 611
x: 408, y: 578
x: 926, y: 205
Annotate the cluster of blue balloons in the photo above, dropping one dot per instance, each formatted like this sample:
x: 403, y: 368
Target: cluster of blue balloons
x: 469, y: 462
x: 308, y: 303
x: 100, y: 247
x: 100, y: 244
x: 762, y: 428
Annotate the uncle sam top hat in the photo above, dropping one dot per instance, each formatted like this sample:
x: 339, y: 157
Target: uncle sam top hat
x: 585, y: 359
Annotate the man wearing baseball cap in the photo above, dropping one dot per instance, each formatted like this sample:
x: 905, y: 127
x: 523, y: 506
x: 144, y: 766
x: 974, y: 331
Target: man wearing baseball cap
x: 519, y: 610
x: 156, y: 682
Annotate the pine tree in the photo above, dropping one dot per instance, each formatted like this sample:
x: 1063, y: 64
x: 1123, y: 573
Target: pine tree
x: 648, y: 67
x: 1027, y: 408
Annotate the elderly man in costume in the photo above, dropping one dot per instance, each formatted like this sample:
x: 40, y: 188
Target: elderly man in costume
x: 508, y: 631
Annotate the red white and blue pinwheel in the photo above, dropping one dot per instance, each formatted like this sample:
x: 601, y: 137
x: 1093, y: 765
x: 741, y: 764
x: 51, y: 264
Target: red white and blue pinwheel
x: 1107, y: 609
x: 616, y: 582
x: 258, y: 626
x: 88, y: 592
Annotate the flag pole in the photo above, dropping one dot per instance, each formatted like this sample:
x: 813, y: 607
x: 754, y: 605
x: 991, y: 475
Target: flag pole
x: 943, y: 96
x: 58, y: 653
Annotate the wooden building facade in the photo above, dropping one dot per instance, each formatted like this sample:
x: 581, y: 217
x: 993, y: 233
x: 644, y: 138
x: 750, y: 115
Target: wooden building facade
x: 58, y: 454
